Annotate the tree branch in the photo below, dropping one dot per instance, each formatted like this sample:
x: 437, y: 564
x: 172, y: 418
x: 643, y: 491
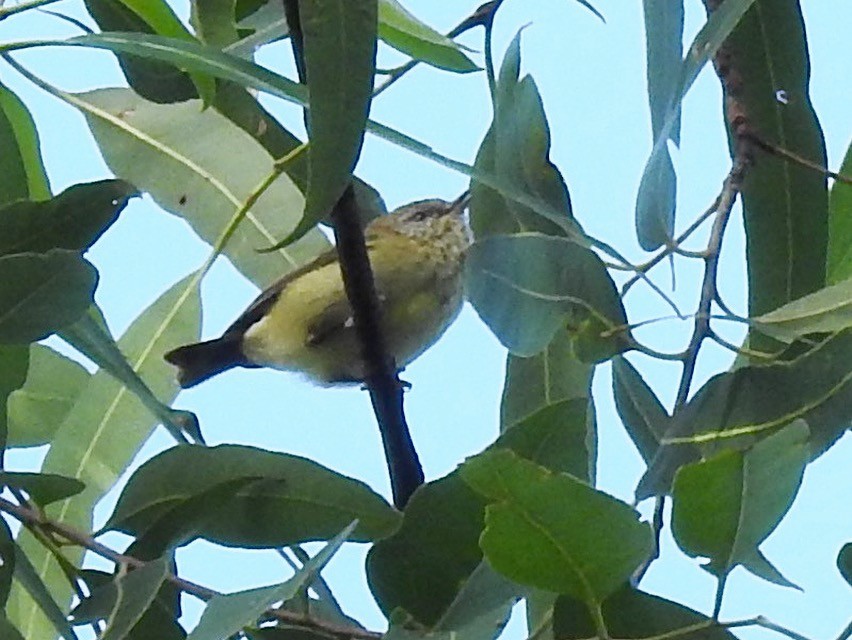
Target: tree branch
x: 33, y: 518
x: 386, y: 389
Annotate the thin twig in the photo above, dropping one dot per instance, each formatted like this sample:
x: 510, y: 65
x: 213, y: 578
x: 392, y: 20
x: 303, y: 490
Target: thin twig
x: 482, y: 16
x: 775, y: 150
x: 31, y: 517
x: 846, y: 633
x: 670, y: 248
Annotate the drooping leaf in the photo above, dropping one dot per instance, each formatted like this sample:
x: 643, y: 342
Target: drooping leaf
x: 340, y: 62
x: 405, y: 33
x: 785, y: 205
x: 654, y: 218
x: 516, y: 150
x: 103, y: 432
x: 641, y: 413
x: 629, y: 613
x: 664, y: 53
x: 174, y: 152
x: 42, y: 292
x: 38, y: 407
x: 227, y: 614
x: 748, y: 494
x: 735, y: 408
x: 289, y: 499
x: 552, y: 531
x: 22, y: 174
x: 74, y: 219
x: 825, y: 311
x: 154, y: 80
x: 840, y: 225
x: 42, y: 488
x: 528, y: 285
x: 215, y: 22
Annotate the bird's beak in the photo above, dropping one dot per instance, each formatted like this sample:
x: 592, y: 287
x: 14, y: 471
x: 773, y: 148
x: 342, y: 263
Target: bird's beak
x: 461, y: 203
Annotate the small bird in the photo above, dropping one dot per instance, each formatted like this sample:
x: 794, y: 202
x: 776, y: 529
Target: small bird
x: 304, y: 323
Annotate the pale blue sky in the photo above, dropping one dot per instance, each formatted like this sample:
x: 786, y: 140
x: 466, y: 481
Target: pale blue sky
x: 592, y: 79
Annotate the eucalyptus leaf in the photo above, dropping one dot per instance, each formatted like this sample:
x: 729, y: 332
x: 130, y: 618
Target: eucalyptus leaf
x: 340, y: 62
x: 553, y: 532
x: 42, y: 488
x: 174, y: 152
x: 74, y: 219
x: 42, y: 292
x: 22, y: 174
x: 827, y: 310
x: 14, y: 363
x: 641, y: 412
x: 405, y: 33
x: 748, y: 493
x: 285, y: 499
x: 528, y: 285
x: 37, y: 408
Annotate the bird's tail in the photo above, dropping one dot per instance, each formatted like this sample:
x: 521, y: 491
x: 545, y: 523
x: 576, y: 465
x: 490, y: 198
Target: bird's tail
x: 202, y: 360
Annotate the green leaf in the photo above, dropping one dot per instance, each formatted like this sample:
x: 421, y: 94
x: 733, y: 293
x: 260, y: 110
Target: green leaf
x: 174, y: 153
x: 340, y: 62
x: 158, y: 621
x: 214, y: 22
x: 629, y: 613
x: 825, y: 311
x: 7, y: 562
x: 735, y: 408
x: 290, y: 499
x: 22, y: 174
x: 42, y: 292
x: 654, y: 215
x: 155, y: 81
x: 840, y: 225
x: 14, y: 362
x: 844, y: 562
x: 7, y: 630
x: 43, y: 488
x: 37, y: 408
x: 430, y: 566
x: 228, y: 614
x: 747, y: 494
x: 423, y: 566
x: 549, y: 283
x: 74, y: 219
x: 516, y: 150
x: 91, y: 338
x: 664, y: 51
x: 552, y: 531
x: 27, y: 577
x: 104, y: 431
x: 785, y: 205
x: 641, y: 413
x: 405, y: 33
x: 136, y: 592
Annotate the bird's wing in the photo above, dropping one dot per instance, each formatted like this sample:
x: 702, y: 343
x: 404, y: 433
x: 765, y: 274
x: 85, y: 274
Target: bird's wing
x: 261, y: 305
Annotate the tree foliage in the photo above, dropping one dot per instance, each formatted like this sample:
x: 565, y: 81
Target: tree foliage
x: 522, y: 520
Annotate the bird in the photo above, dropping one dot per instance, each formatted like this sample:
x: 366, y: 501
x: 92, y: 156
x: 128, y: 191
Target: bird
x: 304, y: 323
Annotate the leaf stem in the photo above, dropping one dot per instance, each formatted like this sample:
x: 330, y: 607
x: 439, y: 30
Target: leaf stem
x: 5, y: 12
